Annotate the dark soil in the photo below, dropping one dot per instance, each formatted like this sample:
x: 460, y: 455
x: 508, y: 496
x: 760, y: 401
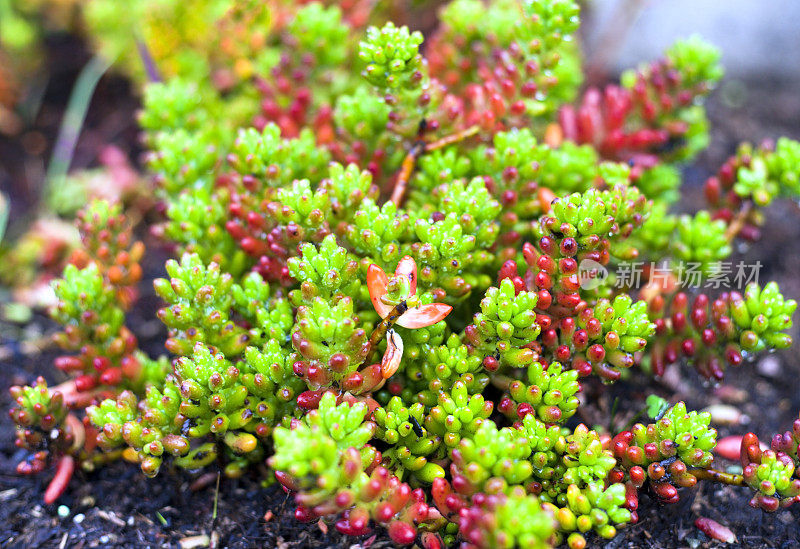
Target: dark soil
x: 117, y: 506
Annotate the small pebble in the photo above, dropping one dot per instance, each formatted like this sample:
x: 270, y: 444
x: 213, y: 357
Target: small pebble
x: 769, y: 366
x: 723, y: 414
x: 194, y: 542
x: 131, y: 521
x: 77, y: 519
x: 104, y: 539
x: 203, y: 481
x: 734, y: 469
x: 63, y: 511
x: 731, y: 394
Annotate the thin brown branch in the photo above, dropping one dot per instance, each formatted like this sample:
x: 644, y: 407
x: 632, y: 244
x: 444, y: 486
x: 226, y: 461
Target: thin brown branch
x: 452, y: 138
x: 738, y: 222
x: 406, y: 169
x: 385, y: 325
x: 420, y: 147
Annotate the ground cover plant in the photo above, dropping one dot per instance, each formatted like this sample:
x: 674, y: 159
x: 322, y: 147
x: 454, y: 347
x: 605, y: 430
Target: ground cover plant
x: 397, y: 263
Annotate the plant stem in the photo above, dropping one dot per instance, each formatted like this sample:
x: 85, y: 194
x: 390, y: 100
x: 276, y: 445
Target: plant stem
x: 4, y: 209
x: 216, y: 500
x: 613, y: 415
x: 406, y: 169
x: 501, y: 382
x: 385, y: 325
x: 73, y: 398
x: 717, y: 476
x: 417, y: 149
x: 148, y: 61
x: 737, y: 223
x: 451, y: 139
x: 634, y: 419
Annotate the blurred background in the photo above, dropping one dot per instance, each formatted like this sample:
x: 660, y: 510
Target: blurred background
x: 760, y: 42
x: 72, y: 72
x: 757, y: 39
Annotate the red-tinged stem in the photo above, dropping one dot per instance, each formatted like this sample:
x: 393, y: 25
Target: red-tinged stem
x: 717, y: 476
x: 72, y: 397
x: 406, y: 169
x: 451, y: 139
x: 738, y: 222
x: 417, y: 149
x: 554, y: 135
x: 64, y: 470
x: 385, y: 325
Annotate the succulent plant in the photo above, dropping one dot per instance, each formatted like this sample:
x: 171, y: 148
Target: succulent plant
x: 395, y: 267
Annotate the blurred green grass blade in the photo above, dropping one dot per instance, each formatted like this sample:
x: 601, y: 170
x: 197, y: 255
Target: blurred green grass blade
x: 4, y: 209
x: 74, y: 117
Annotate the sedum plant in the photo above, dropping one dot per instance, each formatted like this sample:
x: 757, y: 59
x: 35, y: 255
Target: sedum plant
x: 395, y: 269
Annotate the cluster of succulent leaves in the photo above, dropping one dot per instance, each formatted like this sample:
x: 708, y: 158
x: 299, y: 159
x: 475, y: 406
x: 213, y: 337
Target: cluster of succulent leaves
x: 665, y: 453
x: 437, y: 401
x: 724, y: 331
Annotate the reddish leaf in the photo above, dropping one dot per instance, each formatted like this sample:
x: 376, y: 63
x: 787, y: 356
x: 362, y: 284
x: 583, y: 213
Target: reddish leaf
x: 401, y: 532
x: 546, y: 197
x: 424, y: 315
x: 729, y: 447
x: 57, y: 486
x: 376, y: 284
x: 394, y: 353
x: 407, y: 267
